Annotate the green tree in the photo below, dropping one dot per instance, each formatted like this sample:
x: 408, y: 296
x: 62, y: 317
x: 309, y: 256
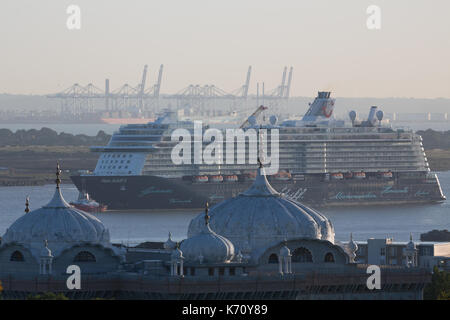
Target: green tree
x: 439, y: 288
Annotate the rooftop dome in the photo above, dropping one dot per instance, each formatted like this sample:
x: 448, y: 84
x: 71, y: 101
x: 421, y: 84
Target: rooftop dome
x: 207, y: 246
x: 169, y: 244
x: 260, y: 217
x: 58, y: 223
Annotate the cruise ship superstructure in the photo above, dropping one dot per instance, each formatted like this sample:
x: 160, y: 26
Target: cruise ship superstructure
x: 322, y: 162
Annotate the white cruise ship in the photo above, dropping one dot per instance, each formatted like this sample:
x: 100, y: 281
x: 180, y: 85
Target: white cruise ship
x: 322, y: 162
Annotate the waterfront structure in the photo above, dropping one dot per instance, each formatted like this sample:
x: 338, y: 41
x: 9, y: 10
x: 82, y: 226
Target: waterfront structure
x: 386, y: 251
x: 322, y: 162
x: 298, y: 258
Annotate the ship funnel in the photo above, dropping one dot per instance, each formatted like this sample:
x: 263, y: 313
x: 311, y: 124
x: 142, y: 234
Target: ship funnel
x: 321, y: 108
x: 371, y: 119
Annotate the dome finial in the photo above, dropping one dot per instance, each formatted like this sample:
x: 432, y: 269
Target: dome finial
x: 46, y: 243
x: 410, y: 236
x: 207, y: 217
x: 260, y: 187
x: 170, y: 244
x: 352, y: 247
x: 58, y: 174
x: 27, y: 205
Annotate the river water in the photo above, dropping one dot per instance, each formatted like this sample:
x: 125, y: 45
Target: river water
x: 134, y: 227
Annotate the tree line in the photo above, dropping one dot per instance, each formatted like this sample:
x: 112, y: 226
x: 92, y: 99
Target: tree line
x: 435, y: 139
x: 49, y: 137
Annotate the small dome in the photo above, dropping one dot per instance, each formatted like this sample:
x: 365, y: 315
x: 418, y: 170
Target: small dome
x: 209, y: 245
x: 60, y: 224
x: 261, y: 217
x: 170, y: 244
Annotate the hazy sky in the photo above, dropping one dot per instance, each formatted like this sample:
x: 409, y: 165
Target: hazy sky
x: 213, y: 42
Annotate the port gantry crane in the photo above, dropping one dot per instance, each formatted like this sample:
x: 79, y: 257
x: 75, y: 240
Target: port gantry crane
x: 282, y: 91
x: 81, y: 99
x: 142, y: 88
x: 208, y: 95
x: 77, y: 99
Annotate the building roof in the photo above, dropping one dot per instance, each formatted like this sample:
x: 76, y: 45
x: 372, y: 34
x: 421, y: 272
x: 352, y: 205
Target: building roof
x: 58, y: 223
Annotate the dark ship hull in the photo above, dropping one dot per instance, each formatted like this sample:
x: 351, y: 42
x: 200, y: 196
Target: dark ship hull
x: 152, y: 192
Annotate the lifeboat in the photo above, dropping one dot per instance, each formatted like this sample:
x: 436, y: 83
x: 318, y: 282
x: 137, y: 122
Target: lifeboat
x: 232, y: 178
x: 85, y: 203
x: 337, y: 176
x: 201, y: 179
x: 359, y: 175
x: 216, y: 179
x: 348, y: 175
x: 386, y: 175
x: 282, y: 176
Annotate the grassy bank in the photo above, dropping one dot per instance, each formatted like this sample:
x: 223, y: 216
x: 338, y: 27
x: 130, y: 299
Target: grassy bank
x: 439, y: 159
x: 35, y: 165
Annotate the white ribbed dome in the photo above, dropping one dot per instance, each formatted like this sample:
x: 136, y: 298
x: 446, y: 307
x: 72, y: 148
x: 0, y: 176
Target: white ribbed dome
x: 60, y: 224
x: 207, y: 246
x: 260, y: 217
